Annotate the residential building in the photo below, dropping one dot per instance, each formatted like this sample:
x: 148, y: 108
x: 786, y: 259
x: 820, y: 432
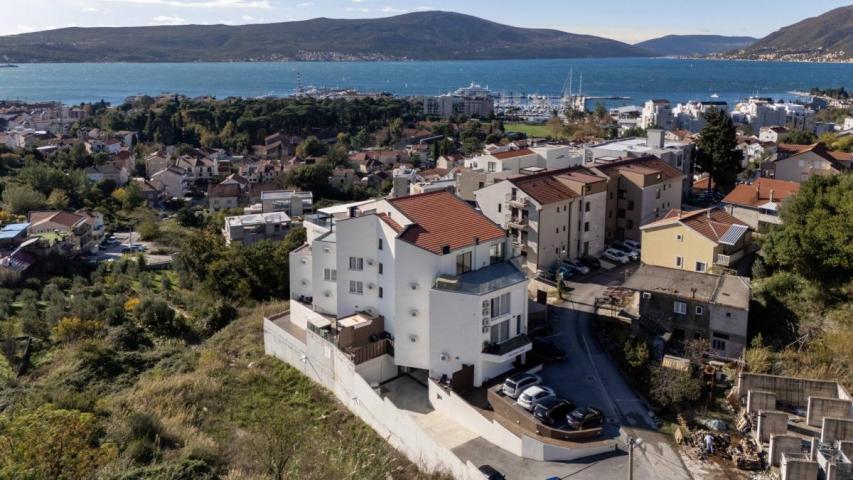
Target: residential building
x: 469, y: 105
x: 679, y: 155
x: 199, y: 169
x: 95, y: 220
x: 149, y: 192
x: 12, y: 234
x: 249, y: 229
x: 798, y: 163
x: 428, y: 269
x: 223, y: 196
x: 764, y: 112
x: 171, y: 182
x: 551, y: 216
x: 291, y: 202
x: 696, y: 241
x: 848, y: 124
x: 690, y: 116
x: 757, y: 204
x: 775, y: 134
x: 680, y: 305
x: 115, y: 172
x: 657, y: 114
x: 156, y: 162
x: 639, y: 191
x: 74, y: 231
x: 342, y: 178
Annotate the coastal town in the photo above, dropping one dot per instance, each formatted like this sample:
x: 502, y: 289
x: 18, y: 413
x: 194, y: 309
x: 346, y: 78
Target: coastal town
x: 492, y: 293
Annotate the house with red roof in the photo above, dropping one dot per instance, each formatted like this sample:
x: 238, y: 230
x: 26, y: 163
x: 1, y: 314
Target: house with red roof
x: 698, y: 241
x: 429, y: 272
x: 757, y: 204
x: 798, y: 163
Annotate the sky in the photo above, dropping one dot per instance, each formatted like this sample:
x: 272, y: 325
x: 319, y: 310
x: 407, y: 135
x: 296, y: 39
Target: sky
x: 626, y: 20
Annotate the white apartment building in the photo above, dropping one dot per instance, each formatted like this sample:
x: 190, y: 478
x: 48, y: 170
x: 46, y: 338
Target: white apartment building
x: 291, y: 202
x: 848, y: 124
x: 690, y: 116
x: 429, y: 268
x: 764, y: 112
x: 657, y: 113
x: 679, y: 155
x: 551, y: 216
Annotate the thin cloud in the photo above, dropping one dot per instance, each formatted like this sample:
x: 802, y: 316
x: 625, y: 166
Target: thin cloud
x: 265, y: 4
x: 167, y: 20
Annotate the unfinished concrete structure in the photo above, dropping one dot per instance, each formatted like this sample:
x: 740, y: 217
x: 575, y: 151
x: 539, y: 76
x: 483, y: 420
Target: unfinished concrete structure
x: 806, y: 425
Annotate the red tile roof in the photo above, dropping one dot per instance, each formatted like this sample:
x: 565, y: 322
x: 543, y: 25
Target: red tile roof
x: 643, y: 165
x: 712, y: 223
x: 546, y: 187
x: 391, y: 223
x: 513, y: 153
x: 441, y: 219
x: 758, y: 193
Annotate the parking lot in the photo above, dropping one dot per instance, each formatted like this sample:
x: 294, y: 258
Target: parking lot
x: 111, y: 251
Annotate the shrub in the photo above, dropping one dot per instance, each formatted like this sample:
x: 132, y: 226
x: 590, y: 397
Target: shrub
x: 72, y: 329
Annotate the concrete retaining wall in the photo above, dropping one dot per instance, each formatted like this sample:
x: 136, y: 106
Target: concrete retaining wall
x: 793, y: 391
x: 770, y: 424
x: 820, y: 407
x: 834, y: 429
x: 780, y: 444
x: 757, y: 401
x: 798, y: 467
x: 332, y: 369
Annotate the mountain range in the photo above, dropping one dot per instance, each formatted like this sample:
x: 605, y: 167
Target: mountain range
x: 678, y: 45
x: 830, y: 32
x: 431, y: 35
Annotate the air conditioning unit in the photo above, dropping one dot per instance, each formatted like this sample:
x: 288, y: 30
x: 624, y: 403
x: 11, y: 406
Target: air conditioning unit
x: 413, y: 338
x: 413, y: 312
x: 371, y: 311
x: 370, y: 261
x: 305, y: 260
x: 370, y: 286
x: 304, y: 282
x: 486, y: 329
x: 414, y: 285
x: 444, y: 357
x: 327, y: 249
x: 486, y: 322
x: 327, y: 294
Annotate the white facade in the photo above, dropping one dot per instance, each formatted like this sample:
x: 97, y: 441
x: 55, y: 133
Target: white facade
x: 763, y: 112
x: 848, y: 124
x: 657, y: 113
x: 434, y: 312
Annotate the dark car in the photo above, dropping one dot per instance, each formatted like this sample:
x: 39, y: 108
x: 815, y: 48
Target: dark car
x: 548, y: 351
x: 553, y: 411
x: 585, y: 418
x: 489, y: 473
x: 591, y: 262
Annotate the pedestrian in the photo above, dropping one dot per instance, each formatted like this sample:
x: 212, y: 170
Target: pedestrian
x: 709, y: 444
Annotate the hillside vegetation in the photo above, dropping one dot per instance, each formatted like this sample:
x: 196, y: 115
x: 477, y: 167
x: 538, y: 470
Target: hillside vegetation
x: 418, y: 36
x: 675, y: 45
x: 830, y: 32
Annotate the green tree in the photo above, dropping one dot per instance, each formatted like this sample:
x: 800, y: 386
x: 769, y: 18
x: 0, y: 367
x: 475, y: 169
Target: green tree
x: 58, y: 199
x: 815, y: 239
x: 718, y: 154
x: 801, y: 137
x: 670, y: 387
x: 311, y: 147
x: 21, y: 199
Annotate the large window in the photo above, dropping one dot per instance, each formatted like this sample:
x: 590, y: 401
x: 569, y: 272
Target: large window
x: 679, y: 308
x: 496, y: 253
x: 330, y: 275
x: 701, y: 266
x: 500, y: 332
x: 500, y: 305
x: 356, y: 263
x: 463, y: 263
x: 356, y: 287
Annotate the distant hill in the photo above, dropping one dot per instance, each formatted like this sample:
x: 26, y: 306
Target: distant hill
x: 676, y: 45
x: 830, y: 32
x: 417, y: 36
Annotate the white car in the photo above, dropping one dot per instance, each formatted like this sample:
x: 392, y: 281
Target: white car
x: 616, y: 256
x: 533, y: 395
x: 632, y: 244
x: 514, y: 385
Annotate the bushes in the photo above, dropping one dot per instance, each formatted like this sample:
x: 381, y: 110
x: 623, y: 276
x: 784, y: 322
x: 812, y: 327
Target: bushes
x: 671, y: 387
x: 72, y: 329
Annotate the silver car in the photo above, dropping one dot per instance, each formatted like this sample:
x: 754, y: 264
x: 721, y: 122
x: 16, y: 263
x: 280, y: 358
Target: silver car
x: 514, y: 385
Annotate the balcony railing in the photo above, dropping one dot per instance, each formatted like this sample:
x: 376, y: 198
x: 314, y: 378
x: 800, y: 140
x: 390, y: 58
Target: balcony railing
x: 729, y: 260
x: 502, y: 352
x: 516, y: 201
x: 371, y: 351
x: 519, y: 223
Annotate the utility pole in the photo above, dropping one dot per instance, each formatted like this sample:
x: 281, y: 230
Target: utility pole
x: 632, y: 442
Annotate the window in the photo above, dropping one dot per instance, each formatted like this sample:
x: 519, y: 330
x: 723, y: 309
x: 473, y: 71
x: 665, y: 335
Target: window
x: 500, y: 305
x: 356, y: 263
x: 679, y: 308
x: 496, y: 253
x: 647, y: 296
x: 700, y: 310
x: 380, y: 292
x: 586, y: 226
x: 623, y: 194
x: 630, y: 224
x: 491, y: 166
x: 679, y: 237
x: 463, y: 263
x: 558, y: 230
x: 379, y: 246
x: 500, y: 332
x: 381, y: 268
x: 518, y: 324
x: 630, y: 204
x: 679, y: 262
x: 588, y: 206
x: 356, y: 287
x: 330, y: 275
x: 564, y: 228
x: 620, y: 213
x: 700, y: 266
x: 718, y: 344
x: 657, y: 194
x: 499, y: 208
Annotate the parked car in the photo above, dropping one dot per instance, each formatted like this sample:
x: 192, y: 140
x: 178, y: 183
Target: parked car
x: 549, y: 274
x: 533, y: 395
x: 591, y: 262
x: 632, y: 244
x: 615, y: 255
x: 548, y: 351
x: 584, y: 418
x: 126, y: 249
x: 630, y: 252
x: 489, y: 473
x: 565, y: 271
x: 576, y: 267
x: 540, y: 330
x: 515, y: 384
x: 553, y: 411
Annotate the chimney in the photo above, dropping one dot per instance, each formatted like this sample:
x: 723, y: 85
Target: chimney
x: 655, y: 138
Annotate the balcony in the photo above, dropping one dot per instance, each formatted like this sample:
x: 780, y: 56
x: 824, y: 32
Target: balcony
x: 729, y: 260
x: 516, y: 202
x: 518, y: 223
x: 508, y: 350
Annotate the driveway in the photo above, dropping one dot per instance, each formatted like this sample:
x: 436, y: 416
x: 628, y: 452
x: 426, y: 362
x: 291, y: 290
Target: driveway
x: 124, y: 239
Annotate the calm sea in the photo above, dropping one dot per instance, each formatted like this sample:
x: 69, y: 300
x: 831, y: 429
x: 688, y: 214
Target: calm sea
x: 640, y: 79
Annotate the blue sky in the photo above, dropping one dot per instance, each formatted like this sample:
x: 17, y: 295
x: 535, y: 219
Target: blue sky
x: 626, y: 20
